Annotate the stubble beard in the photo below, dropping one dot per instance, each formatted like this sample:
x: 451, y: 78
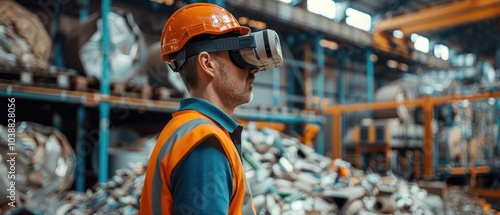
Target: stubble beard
x: 229, y: 90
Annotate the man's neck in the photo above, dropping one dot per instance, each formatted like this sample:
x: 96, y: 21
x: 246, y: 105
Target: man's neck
x: 215, y: 100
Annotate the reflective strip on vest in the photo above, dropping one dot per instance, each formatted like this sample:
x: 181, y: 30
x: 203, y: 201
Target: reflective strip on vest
x: 167, y: 147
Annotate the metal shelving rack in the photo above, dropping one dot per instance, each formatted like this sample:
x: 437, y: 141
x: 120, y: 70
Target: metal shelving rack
x: 105, y: 102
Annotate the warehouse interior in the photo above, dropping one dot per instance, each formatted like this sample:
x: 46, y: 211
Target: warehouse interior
x: 380, y: 107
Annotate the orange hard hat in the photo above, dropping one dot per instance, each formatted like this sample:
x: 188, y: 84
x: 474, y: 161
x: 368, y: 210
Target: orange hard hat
x: 193, y: 20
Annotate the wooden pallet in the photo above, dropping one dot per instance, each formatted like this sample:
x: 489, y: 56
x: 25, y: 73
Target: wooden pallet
x: 88, y: 84
x: 41, y: 78
x: 123, y: 89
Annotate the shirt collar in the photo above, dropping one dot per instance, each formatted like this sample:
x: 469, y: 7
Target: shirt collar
x: 209, y: 110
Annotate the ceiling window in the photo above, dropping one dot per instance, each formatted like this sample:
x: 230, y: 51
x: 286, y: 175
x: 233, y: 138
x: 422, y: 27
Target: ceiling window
x: 420, y: 43
x: 322, y: 7
x: 442, y: 51
x: 358, y: 19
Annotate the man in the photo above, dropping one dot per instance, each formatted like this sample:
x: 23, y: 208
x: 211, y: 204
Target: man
x: 196, y: 165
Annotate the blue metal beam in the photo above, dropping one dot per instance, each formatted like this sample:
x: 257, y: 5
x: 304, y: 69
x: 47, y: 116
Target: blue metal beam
x: 57, y: 120
x: 498, y: 123
x: 498, y: 99
x: 104, y: 107
x: 340, y: 90
x: 449, y: 115
x: 498, y: 58
x: 340, y: 77
x: 58, y: 55
x: 84, y: 11
x: 70, y: 99
x: 320, y: 87
x: 279, y: 118
x: 291, y: 86
x: 80, y: 149
x: 40, y: 96
x: 370, y: 76
x: 435, y: 159
x: 221, y: 3
x: 276, y: 86
x: 299, y: 64
x: 291, y: 76
x: 154, y: 5
x: 320, y: 62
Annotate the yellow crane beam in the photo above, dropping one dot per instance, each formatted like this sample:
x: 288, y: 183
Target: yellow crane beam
x: 452, y: 14
x: 469, y: 17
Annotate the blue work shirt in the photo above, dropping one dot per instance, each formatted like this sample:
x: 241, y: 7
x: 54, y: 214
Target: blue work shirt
x: 203, y: 180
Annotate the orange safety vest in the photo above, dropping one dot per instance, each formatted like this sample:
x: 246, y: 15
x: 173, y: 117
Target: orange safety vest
x: 182, y: 134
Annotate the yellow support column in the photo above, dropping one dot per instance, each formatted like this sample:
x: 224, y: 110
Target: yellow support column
x: 337, y: 133
x: 428, y: 149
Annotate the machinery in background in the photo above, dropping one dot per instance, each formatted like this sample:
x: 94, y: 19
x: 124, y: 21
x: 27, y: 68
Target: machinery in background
x: 381, y: 145
x: 465, y: 132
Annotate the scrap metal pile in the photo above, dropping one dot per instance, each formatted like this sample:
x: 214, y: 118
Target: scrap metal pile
x: 24, y: 42
x: 286, y: 177
x: 460, y: 201
x: 43, y: 165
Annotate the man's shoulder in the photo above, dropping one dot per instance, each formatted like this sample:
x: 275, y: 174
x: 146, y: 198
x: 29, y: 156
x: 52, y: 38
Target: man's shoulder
x: 199, y: 124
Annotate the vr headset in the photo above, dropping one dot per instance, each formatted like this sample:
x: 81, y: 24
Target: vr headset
x: 261, y: 50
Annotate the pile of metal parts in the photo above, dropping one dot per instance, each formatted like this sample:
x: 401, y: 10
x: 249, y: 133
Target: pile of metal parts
x: 120, y: 195
x: 460, y: 201
x: 24, y: 42
x: 44, y: 163
x: 286, y: 177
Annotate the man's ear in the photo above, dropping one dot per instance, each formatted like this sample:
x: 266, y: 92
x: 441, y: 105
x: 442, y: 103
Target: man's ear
x: 205, y: 62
